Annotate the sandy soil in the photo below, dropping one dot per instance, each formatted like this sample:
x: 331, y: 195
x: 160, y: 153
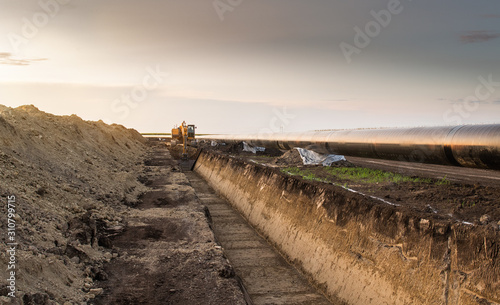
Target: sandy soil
x: 73, y: 181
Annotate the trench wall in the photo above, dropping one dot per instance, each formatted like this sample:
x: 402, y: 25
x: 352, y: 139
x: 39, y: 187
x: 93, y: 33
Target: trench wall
x: 355, y: 249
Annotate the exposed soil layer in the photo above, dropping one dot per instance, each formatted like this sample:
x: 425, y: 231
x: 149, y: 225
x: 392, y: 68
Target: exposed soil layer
x: 441, y: 194
x: 176, y: 151
x: 266, y: 276
x: 471, y: 203
x: 73, y: 181
x: 359, y: 249
x: 167, y: 253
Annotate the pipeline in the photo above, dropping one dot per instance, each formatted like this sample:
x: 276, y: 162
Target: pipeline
x: 464, y: 145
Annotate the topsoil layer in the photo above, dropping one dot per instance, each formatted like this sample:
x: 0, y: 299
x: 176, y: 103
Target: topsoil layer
x: 477, y: 203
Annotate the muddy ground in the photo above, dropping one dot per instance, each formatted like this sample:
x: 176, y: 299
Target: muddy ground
x: 440, y: 196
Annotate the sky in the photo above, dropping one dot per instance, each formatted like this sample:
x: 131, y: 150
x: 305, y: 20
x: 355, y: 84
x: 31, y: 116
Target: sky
x: 241, y: 66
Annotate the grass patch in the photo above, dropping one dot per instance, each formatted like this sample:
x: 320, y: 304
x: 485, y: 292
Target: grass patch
x: 367, y: 175
x: 294, y: 171
x: 443, y: 181
x: 305, y: 174
x: 357, y: 175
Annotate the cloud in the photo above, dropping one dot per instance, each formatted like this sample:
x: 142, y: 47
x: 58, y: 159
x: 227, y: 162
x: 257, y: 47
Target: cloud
x: 462, y: 101
x: 479, y: 36
x: 8, y: 59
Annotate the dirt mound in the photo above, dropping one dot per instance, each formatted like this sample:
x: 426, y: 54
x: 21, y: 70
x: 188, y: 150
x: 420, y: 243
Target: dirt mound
x: 72, y: 180
x: 289, y: 158
x: 176, y: 151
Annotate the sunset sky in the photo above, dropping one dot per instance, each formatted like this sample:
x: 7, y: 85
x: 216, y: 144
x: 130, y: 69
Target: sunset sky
x: 238, y: 66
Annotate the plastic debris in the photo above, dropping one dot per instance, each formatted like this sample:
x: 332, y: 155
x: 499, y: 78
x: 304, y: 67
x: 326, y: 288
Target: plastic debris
x: 310, y: 157
x: 252, y: 149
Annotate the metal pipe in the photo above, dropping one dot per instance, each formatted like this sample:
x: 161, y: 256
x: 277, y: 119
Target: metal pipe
x: 465, y: 145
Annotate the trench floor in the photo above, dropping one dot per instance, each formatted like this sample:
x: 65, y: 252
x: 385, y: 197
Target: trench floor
x: 167, y: 253
x: 266, y: 276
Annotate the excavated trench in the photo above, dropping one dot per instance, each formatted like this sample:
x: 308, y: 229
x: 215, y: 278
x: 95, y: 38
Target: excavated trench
x: 266, y: 277
x: 354, y: 249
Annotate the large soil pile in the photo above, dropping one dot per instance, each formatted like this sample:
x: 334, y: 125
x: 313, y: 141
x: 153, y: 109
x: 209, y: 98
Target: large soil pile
x: 72, y: 180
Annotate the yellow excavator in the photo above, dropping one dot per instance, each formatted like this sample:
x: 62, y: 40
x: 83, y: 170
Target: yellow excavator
x: 183, y: 134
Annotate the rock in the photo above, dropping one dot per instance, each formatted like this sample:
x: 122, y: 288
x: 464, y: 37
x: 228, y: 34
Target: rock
x: 116, y: 229
x: 33, y: 249
x: 485, y: 219
x: 96, y: 291
x: 108, y: 256
x: 75, y: 259
x: 424, y: 224
x: 226, y: 272
x: 36, y: 299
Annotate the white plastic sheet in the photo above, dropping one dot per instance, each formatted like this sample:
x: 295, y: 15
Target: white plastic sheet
x: 310, y: 157
x: 252, y: 149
